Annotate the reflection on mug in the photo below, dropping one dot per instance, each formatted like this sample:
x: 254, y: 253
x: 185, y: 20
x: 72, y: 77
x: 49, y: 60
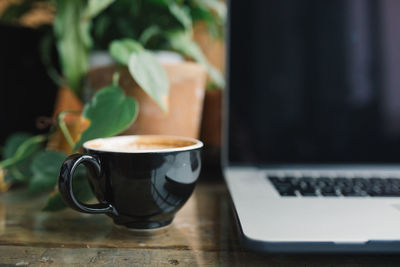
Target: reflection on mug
x: 175, y: 180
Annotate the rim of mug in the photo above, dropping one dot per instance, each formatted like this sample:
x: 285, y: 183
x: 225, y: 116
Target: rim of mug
x: 197, y: 144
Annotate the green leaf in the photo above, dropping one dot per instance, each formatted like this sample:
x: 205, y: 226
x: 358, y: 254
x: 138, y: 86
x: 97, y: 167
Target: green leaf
x: 72, y: 25
x: 181, y: 14
x: 81, y: 188
x: 159, y: 2
x: 13, y: 142
x: 45, y: 168
x: 151, y: 76
x: 24, y: 149
x: 94, y: 7
x: 17, y: 164
x: 183, y: 43
x: 18, y: 153
x: 121, y: 50
x: 72, y: 33
x: 217, y: 6
x: 148, y: 33
x: 144, y: 68
x: 109, y: 113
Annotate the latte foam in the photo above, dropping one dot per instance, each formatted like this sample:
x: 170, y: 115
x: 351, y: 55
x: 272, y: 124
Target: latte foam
x: 142, y: 143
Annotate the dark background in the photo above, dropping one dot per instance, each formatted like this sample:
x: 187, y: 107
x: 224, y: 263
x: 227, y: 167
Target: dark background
x: 26, y: 90
x: 314, y: 81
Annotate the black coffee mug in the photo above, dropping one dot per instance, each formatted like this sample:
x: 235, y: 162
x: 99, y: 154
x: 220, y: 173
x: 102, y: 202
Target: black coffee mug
x: 140, y: 181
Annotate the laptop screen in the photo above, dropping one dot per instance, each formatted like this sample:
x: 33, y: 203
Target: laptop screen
x: 314, y: 81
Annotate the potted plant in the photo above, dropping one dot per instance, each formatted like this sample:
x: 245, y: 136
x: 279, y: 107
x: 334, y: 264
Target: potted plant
x: 161, y: 26
x: 24, y: 157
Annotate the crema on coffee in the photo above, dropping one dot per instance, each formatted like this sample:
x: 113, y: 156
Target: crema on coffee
x: 141, y: 143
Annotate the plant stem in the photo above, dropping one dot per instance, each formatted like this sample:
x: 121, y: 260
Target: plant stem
x: 7, y: 162
x: 17, y: 174
x: 21, y: 154
x: 115, y: 77
x: 64, y: 129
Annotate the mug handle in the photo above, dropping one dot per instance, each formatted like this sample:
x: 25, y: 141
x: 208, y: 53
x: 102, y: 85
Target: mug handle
x: 65, y: 184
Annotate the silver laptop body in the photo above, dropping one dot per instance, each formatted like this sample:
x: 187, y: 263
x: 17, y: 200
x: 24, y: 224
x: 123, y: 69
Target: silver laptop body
x: 312, y: 132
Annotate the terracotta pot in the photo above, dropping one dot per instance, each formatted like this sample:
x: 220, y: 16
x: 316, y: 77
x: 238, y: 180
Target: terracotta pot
x: 214, y: 49
x: 187, y: 87
x: 66, y: 100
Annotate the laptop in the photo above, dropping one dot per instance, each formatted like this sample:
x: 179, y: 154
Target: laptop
x: 312, y: 129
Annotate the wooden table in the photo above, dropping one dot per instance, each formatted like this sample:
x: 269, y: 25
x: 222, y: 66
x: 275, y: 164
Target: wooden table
x: 202, y: 234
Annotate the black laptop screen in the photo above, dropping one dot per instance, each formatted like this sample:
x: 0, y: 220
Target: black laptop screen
x: 314, y: 81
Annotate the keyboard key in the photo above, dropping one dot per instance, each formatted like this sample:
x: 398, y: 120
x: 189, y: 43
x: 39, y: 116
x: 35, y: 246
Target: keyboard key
x: 342, y: 182
x: 308, y: 180
x: 376, y: 191
x: 376, y: 182
x: 362, y: 184
x: 329, y: 191
x: 394, y: 181
x: 354, y: 193
x: 274, y: 179
x: 324, y: 182
x: 307, y: 188
x: 285, y: 189
x: 295, y: 182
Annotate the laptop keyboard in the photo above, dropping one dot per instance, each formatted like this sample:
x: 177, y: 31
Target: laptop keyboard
x: 335, y: 187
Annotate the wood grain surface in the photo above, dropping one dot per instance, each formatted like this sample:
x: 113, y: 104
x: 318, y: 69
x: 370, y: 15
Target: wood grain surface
x: 202, y: 234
